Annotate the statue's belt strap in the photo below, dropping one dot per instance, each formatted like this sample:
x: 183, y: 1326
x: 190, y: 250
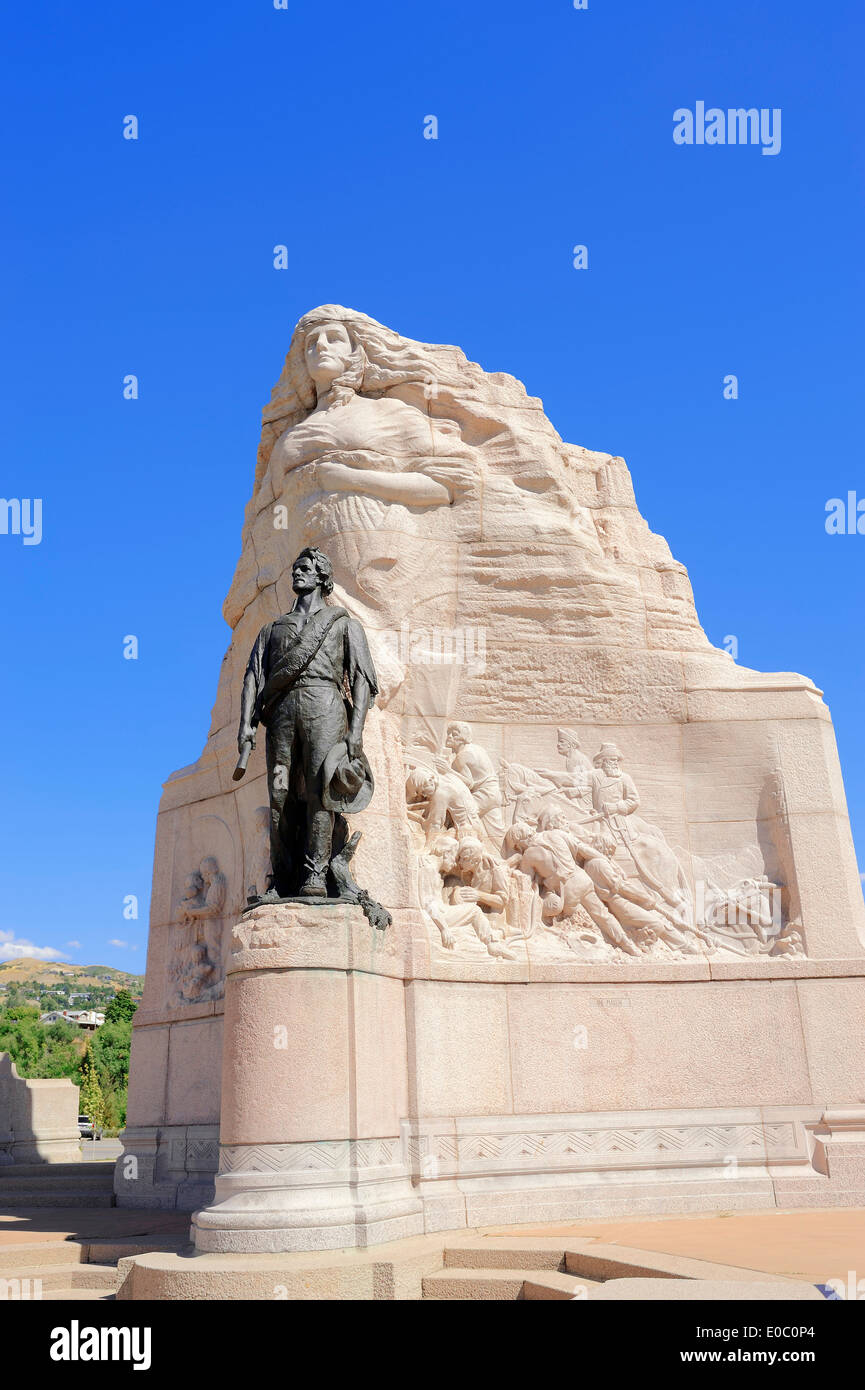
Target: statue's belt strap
x: 295, y: 661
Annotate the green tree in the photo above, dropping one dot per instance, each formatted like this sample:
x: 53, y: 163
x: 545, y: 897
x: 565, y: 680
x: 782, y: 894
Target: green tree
x: 110, y: 1050
x: 19, y: 1012
x: 92, y: 1101
x: 61, y: 1051
x: 122, y: 1007
x: 22, y: 1039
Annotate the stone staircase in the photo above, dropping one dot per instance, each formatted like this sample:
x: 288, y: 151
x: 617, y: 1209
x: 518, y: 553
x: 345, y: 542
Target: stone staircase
x: 74, y: 1270
x: 533, y: 1268
x: 96, y: 1264
x: 541, y: 1285
x: 507, y: 1267
x: 64, y: 1185
x: 56, y: 1198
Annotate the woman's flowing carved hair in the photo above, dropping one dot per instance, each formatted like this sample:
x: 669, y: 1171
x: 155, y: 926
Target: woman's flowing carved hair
x: 380, y: 361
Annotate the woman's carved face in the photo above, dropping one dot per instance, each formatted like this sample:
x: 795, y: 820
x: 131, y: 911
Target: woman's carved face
x: 327, y: 353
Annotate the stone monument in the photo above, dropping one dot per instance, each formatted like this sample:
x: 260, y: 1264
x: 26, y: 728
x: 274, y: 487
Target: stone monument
x: 619, y: 964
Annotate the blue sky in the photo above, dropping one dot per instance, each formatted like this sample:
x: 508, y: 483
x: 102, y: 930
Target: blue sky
x: 304, y: 126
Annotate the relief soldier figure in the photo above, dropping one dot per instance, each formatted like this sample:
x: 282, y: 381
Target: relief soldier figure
x: 474, y: 765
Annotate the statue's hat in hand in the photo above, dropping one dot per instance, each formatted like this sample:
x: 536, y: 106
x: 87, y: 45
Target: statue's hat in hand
x: 347, y: 783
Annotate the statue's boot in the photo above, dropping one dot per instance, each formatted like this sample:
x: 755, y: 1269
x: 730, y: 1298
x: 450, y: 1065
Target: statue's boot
x: 314, y: 884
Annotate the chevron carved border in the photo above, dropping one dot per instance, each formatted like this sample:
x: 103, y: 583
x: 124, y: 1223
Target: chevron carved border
x: 441, y: 1155
x: 325, y: 1156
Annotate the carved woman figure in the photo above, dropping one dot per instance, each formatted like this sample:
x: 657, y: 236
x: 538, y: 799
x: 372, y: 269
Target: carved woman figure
x: 356, y: 468
x: 376, y: 448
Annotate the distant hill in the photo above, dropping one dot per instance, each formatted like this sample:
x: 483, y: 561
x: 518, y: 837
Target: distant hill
x: 51, y: 972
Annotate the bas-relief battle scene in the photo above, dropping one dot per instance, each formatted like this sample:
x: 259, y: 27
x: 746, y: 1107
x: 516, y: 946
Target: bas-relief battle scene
x: 529, y: 635
x: 556, y: 862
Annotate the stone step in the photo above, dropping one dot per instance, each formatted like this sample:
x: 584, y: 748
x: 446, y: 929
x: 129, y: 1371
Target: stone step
x: 508, y: 1253
x: 763, y: 1290
x: 40, y: 1254
x: 69, y: 1276
x: 551, y: 1286
x: 100, y: 1250
x: 103, y: 1166
x: 49, y: 1182
x: 503, y: 1284
x: 64, y: 1198
x: 552, y: 1267
x: 77, y: 1296
x: 109, y: 1249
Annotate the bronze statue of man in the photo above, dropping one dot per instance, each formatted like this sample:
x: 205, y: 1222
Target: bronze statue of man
x: 300, y: 673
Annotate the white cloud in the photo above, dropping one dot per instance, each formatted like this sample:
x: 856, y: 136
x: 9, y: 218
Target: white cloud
x: 124, y: 945
x: 14, y: 947
x: 76, y: 945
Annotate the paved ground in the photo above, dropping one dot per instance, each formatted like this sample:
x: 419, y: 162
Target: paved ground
x: 97, y: 1150
x: 811, y: 1245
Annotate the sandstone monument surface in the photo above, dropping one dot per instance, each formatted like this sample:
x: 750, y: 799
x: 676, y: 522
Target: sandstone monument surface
x: 624, y: 966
